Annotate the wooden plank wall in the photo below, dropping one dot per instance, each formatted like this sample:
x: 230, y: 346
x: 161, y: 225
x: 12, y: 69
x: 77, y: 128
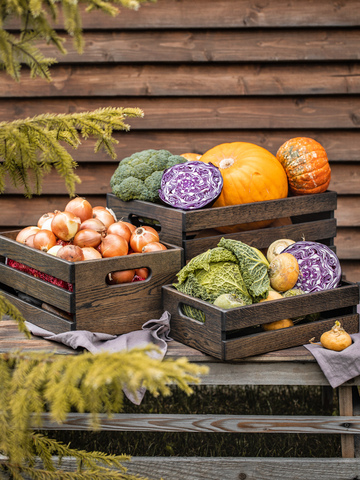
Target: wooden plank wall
x: 207, y: 72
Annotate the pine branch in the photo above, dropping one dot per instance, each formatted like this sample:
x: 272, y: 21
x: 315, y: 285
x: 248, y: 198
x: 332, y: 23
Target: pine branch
x: 36, y: 25
x: 7, y: 308
x: 33, y: 145
x: 39, y: 382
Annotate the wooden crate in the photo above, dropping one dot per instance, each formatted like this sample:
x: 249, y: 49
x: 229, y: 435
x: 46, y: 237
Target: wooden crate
x: 236, y: 333
x: 312, y: 218
x: 93, y: 304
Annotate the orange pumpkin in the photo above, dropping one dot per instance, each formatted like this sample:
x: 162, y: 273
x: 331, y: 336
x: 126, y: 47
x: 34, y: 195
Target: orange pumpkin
x: 192, y: 157
x: 306, y: 164
x: 251, y: 174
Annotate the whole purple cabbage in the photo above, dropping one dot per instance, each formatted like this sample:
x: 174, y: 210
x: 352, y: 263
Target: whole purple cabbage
x: 319, y: 267
x: 191, y: 185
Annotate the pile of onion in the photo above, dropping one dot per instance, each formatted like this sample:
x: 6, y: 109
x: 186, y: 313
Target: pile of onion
x: 81, y: 232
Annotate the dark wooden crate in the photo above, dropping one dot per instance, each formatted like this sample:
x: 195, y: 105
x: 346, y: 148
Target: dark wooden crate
x: 312, y: 218
x: 236, y: 333
x: 93, y: 305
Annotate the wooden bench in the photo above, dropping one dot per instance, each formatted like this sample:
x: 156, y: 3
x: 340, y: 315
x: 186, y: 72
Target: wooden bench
x: 294, y: 366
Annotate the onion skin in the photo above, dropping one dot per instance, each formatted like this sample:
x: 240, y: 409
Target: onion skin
x: 44, y: 240
x: 142, y: 236
x: 283, y: 272
x: 336, y: 339
x: 153, y: 247
x: 278, y: 324
x: 65, y: 225
x: 26, y: 232
x: 104, y: 215
x: 80, y: 207
x: 45, y: 217
x: 121, y: 276
x: 114, y: 246
x: 71, y: 253
x: 277, y: 247
x: 90, y: 253
x: 120, y: 228
x: 93, y: 224
x: 87, y: 238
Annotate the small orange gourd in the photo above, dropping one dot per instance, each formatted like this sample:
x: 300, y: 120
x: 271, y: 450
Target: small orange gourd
x: 191, y: 157
x: 306, y: 164
x: 250, y: 173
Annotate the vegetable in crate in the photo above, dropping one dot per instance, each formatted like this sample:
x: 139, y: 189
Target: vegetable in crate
x: 253, y: 265
x: 209, y: 275
x: 190, y: 185
x: 278, y: 324
x: 251, y: 174
x: 319, y: 267
x: 138, y: 177
x: 306, y: 164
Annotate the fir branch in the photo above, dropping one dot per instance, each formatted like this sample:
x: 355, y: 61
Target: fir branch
x: 33, y: 144
x: 38, y: 382
x: 36, y: 25
x: 7, y: 308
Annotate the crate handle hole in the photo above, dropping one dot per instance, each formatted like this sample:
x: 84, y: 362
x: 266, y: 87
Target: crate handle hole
x: 193, y: 313
x: 121, y: 277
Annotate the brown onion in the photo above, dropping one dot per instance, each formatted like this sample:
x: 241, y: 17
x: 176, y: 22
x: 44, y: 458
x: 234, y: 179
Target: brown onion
x: 90, y: 253
x: 142, y: 272
x: 153, y: 247
x: 104, y: 215
x: 44, y: 218
x: 54, y: 250
x: 120, y: 228
x: 93, y: 224
x: 26, y: 232
x: 65, y: 225
x: 47, y: 224
x: 44, y: 240
x: 80, y: 207
x: 71, y: 253
x: 142, y: 236
x: 87, y: 238
x: 113, y: 246
x: 121, y: 276
x: 29, y: 241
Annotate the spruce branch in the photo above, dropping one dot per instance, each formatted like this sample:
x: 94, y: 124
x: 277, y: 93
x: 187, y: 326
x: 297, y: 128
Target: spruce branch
x: 7, y: 308
x: 34, y: 145
x: 36, y: 19
x: 39, y: 382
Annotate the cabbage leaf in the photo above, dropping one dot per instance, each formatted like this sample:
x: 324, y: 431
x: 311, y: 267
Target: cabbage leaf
x: 253, y: 266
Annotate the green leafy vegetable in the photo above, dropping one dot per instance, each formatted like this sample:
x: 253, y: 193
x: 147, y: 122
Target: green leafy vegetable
x: 253, y: 266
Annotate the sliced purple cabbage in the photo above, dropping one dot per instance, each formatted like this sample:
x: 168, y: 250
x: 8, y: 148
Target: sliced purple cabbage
x: 319, y: 267
x: 191, y: 185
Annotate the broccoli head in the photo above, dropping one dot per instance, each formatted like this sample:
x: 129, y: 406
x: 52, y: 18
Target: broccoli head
x: 138, y: 177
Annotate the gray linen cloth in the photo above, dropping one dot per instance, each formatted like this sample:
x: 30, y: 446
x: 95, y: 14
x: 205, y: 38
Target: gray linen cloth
x: 153, y: 332
x: 338, y: 367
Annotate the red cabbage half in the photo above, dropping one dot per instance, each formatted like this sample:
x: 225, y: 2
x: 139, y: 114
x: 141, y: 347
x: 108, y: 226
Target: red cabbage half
x: 319, y: 267
x: 191, y: 185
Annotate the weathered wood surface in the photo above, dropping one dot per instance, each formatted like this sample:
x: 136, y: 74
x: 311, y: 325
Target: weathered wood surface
x: 345, y: 425
x: 205, y: 73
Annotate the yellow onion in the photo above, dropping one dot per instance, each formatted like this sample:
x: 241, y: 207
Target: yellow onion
x: 26, y: 232
x: 80, y: 207
x: 65, y: 225
x: 71, y: 253
x: 44, y: 218
x: 90, y: 253
x: 335, y: 339
x: 87, y: 238
x: 44, y: 240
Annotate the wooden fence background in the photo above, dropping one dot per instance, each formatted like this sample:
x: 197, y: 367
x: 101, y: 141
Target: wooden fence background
x: 207, y: 72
